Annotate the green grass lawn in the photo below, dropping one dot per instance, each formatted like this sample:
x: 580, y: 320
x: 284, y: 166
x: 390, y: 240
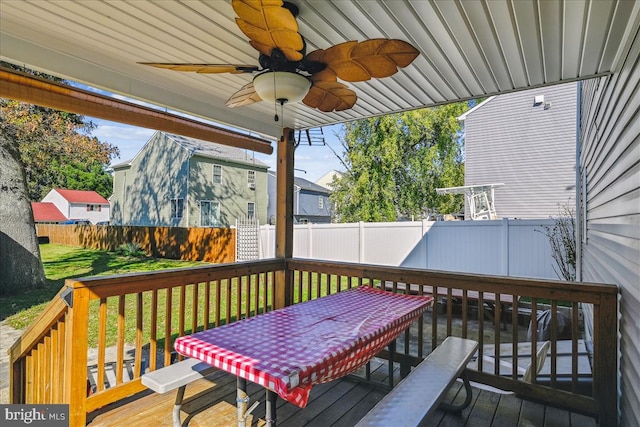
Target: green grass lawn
x: 66, y: 262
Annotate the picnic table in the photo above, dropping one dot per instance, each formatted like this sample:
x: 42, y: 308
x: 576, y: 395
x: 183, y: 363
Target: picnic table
x: 289, y: 350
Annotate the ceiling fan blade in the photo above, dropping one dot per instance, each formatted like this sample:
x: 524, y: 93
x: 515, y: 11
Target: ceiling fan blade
x: 355, y: 62
x: 247, y: 95
x: 330, y: 96
x: 205, y: 68
x: 269, y: 25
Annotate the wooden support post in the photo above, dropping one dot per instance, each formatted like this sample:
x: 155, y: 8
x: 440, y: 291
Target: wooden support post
x: 605, y: 339
x: 284, y: 217
x: 75, y: 362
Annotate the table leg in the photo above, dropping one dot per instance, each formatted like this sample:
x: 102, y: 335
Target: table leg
x: 177, y: 406
x: 241, y: 400
x: 270, y: 416
x: 392, y: 353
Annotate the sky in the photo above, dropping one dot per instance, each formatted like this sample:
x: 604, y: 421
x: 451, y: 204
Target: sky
x: 311, y: 162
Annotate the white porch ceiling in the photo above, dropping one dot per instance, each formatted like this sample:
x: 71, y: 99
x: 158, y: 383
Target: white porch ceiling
x: 468, y: 49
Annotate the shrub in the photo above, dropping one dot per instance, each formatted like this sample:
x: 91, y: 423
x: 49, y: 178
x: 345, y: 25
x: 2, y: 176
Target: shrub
x: 562, y: 239
x: 133, y: 249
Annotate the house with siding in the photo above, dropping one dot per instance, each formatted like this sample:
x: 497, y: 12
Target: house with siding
x: 311, y: 202
x: 526, y: 141
x: 79, y: 204
x: 175, y: 181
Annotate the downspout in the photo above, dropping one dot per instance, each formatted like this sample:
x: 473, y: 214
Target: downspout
x: 578, y: 209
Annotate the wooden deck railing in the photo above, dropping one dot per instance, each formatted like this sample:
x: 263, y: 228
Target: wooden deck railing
x: 132, y: 320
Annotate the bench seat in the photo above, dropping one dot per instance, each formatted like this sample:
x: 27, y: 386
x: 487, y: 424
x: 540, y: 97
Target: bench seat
x: 420, y: 393
x: 177, y: 375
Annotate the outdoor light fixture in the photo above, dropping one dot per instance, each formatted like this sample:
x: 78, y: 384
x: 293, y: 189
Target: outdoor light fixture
x: 281, y: 86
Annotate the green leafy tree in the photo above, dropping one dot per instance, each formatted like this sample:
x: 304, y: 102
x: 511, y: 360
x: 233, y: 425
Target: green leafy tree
x: 40, y: 149
x: 395, y: 163
x: 56, y: 148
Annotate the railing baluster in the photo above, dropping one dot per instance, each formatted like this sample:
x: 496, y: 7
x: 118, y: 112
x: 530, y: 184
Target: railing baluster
x: 228, y: 301
x: 465, y: 311
x: 534, y: 337
x: 102, y: 345
x: 480, y: 329
x: 218, y: 302
x: 120, y: 339
x: 554, y: 341
x: 207, y: 306
x: 194, y: 306
x: 153, y: 332
x: 167, y: 326
x: 574, y: 347
x: 514, y: 336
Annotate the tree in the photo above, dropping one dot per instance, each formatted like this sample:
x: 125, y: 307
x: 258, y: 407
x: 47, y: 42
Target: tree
x: 40, y: 149
x: 57, y: 151
x: 396, y: 162
x: 20, y: 265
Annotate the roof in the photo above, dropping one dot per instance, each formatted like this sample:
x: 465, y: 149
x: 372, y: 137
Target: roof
x: 82, y: 196
x: 46, y: 212
x: 216, y: 151
x: 468, y: 49
x: 307, y: 185
x: 462, y: 117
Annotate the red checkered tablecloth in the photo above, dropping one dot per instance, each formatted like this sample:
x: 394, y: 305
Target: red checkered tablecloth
x: 290, y: 349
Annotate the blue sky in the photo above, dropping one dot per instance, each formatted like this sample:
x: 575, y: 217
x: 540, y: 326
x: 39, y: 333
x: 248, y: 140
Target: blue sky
x: 314, y: 160
x: 311, y: 162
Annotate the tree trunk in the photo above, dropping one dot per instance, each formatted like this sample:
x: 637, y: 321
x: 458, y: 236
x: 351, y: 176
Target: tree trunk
x: 20, y: 264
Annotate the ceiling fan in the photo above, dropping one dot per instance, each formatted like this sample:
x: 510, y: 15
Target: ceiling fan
x: 288, y: 74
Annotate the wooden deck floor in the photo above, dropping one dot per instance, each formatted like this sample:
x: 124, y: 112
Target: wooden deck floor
x: 338, y: 403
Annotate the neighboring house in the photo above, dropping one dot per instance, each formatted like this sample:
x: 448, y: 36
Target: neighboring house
x: 80, y: 204
x: 177, y: 181
x: 47, y: 213
x: 326, y: 180
x: 310, y: 201
x: 526, y: 141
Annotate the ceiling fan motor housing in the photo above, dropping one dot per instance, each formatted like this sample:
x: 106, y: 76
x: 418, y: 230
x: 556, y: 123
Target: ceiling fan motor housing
x: 281, y: 86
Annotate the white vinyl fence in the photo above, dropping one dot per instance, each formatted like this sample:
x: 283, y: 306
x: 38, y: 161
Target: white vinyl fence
x: 505, y: 247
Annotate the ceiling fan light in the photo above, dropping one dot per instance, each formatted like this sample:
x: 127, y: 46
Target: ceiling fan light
x: 281, y: 85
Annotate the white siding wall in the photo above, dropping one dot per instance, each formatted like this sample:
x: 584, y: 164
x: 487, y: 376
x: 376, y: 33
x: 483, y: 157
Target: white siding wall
x: 610, y: 135
x: 505, y: 247
x: 61, y: 203
x: 79, y: 211
x: 528, y: 148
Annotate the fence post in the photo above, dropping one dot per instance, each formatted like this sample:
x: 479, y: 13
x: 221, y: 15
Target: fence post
x: 361, y: 242
x: 505, y: 246
x: 425, y: 243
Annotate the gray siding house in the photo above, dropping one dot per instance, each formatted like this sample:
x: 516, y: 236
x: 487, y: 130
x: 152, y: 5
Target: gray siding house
x: 609, y: 213
x: 526, y: 141
x: 311, y: 202
x: 185, y: 182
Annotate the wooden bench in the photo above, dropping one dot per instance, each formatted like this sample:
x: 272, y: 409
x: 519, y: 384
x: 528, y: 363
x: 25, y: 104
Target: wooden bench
x: 177, y: 375
x: 420, y: 393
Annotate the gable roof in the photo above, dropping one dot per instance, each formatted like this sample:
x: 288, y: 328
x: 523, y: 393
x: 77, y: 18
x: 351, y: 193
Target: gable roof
x: 82, y: 196
x: 307, y: 185
x: 216, y: 151
x: 46, y: 211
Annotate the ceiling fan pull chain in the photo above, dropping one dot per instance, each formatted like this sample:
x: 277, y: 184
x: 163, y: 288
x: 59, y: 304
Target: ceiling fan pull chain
x: 275, y: 104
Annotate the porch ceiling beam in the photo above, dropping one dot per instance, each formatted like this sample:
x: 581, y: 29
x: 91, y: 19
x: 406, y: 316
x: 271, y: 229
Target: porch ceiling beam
x: 27, y: 88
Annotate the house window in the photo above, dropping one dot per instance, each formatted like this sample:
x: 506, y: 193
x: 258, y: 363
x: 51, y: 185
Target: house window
x: 94, y: 208
x: 209, y: 213
x: 217, y: 174
x: 320, y: 202
x: 177, y: 208
x: 251, y: 210
x: 251, y: 178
